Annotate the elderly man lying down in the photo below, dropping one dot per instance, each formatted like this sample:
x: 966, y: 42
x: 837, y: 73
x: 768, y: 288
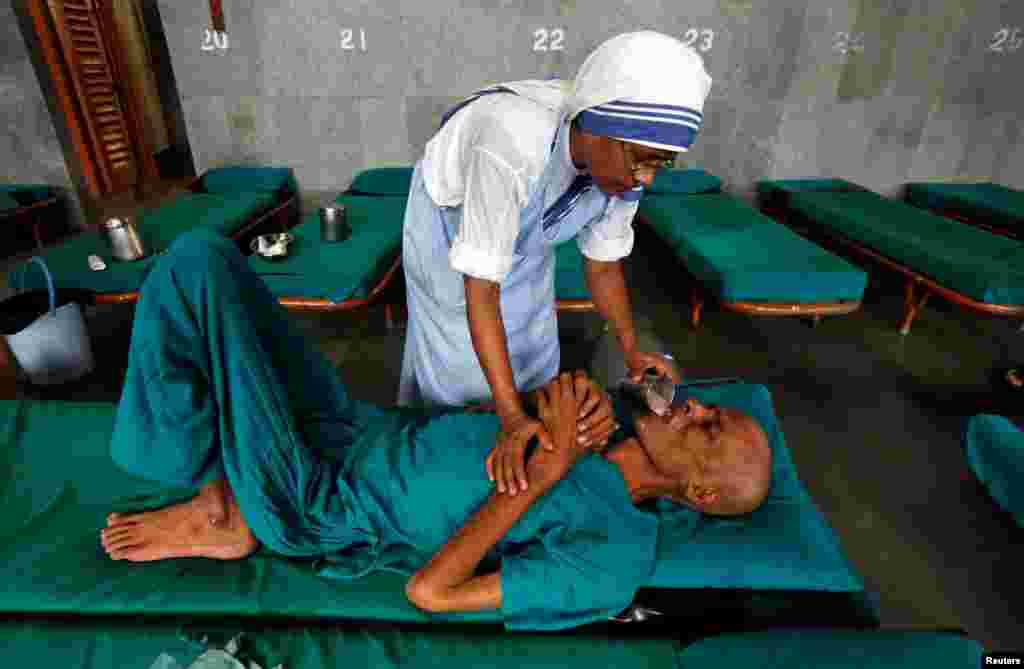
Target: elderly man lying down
x: 222, y: 394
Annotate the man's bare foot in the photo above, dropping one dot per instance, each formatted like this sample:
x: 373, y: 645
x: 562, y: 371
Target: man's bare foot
x: 208, y: 525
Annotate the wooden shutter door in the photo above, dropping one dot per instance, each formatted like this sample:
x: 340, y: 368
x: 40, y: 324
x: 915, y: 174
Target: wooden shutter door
x: 91, y: 71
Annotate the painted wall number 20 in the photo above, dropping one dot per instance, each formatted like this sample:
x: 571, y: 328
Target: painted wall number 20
x: 214, y: 39
x: 549, y: 40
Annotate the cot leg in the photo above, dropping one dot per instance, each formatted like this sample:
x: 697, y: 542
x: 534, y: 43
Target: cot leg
x: 911, y: 307
x: 814, y: 320
x: 389, y: 318
x: 696, y: 304
x: 1021, y: 329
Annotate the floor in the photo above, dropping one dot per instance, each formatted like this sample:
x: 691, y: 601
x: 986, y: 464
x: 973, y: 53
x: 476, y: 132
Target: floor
x: 873, y: 419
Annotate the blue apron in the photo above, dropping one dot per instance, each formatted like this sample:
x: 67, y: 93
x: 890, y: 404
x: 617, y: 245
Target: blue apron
x: 440, y: 365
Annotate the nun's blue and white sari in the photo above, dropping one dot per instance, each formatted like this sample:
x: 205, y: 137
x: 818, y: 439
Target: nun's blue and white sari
x: 497, y: 190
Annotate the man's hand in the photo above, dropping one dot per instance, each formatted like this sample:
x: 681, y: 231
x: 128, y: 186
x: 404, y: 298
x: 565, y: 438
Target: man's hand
x: 595, y: 415
x: 639, y: 362
x: 506, y: 464
x: 558, y: 407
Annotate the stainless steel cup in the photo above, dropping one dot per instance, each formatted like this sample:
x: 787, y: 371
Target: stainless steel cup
x: 125, y: 242
x: 333, y: 226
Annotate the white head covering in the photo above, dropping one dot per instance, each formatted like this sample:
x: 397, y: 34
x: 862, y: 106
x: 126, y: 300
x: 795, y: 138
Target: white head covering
x: 641, y: 87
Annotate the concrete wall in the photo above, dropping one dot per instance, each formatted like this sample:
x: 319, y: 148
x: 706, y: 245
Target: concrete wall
x: 876, y: 91
x: 30, y: 142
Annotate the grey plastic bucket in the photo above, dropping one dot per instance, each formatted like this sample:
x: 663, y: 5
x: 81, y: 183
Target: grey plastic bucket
x: 54, y: 347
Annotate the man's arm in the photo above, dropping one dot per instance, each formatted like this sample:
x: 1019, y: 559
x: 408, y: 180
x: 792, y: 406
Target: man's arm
x: 446, y: 582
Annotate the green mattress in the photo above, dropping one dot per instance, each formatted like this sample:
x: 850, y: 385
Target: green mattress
x: 68, y: 262
x: 94, y: 644
x: 58, y: 483
x: 742, y: 255
x: 683, y: 182
x: 570, y: 276
x: 839, y: 649
x: 26, y: 194
x: 995, y: 453
x: 984, y: 202
x: 7, y: 202
x: 984, y: 266
x: 339, y: 271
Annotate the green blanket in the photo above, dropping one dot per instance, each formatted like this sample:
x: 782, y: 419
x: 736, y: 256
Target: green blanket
x: 742, y: 255
x: 68, y: 262
x: 570, y: 275
x: 981, y: 265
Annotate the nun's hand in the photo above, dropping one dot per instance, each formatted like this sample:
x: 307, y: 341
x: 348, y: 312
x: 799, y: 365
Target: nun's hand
x: 595, y: 415
x: 506, y: 465
x: 639, y: 362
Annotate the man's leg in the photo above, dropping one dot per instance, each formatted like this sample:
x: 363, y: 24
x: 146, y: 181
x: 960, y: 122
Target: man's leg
x: 216, y: 377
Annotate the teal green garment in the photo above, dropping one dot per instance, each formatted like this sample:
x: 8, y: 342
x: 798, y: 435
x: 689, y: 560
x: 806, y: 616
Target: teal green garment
x: 220, y: 384
x: 570, y: 273
x: 8, y: 202
x: 383, y: 181
x: 995, y: 453
x: 987, y: 201
x: 974, y: 262
x: 833, y: 649
x: 742, y: 255
x: 245, y: 178
x: 683, y: 182
x: 121, y: 643
x: 68, y: 262
x: 338, y: 271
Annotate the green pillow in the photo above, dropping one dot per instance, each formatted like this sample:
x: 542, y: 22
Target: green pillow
x: 684, y: 182
x: 382, y: 181
x: 241, y: 178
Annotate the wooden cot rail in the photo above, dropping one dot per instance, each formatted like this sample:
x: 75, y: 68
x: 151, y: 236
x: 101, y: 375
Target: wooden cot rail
x: 699, y: 293
x: 918, y: 287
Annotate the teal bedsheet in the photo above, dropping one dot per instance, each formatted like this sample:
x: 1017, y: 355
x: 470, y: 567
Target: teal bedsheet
x: 988, y: 202
x: 995, y: 453
x: 57, y: 483
x: 671, y: 181
x: 742, y: 255
x: 68, y: 262
x: 249, y: 178
x: 338, y: 271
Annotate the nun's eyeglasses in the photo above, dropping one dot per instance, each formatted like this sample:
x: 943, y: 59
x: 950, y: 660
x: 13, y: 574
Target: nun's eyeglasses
x: 652, y: 164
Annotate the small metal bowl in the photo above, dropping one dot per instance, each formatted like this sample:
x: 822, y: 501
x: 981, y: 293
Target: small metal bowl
x: 274, y: 245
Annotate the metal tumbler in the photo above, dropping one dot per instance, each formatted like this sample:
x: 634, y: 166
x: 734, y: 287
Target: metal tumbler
x: 124, y: 239
x: 333, y: 226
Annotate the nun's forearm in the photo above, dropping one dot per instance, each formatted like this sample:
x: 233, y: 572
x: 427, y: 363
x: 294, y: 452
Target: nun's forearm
x: 608, y: 289
x: 487, y: 329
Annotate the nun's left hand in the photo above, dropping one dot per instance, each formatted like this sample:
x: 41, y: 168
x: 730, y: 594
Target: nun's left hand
x: 639, y: 362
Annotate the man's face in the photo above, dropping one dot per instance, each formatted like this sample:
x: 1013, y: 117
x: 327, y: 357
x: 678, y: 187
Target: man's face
x: 692, y: 437
x: 618, y: 166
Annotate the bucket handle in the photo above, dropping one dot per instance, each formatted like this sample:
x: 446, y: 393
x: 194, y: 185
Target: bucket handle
x: 49, y: 281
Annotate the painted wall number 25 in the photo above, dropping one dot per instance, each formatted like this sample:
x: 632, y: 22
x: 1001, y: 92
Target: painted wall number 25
x: 1006, y: 39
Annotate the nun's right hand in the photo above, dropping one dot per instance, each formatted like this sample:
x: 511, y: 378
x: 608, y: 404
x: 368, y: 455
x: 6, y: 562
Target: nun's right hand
x: 506, y: 464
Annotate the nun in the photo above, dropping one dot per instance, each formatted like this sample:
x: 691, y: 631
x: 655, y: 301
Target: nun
x: 513, y: 171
